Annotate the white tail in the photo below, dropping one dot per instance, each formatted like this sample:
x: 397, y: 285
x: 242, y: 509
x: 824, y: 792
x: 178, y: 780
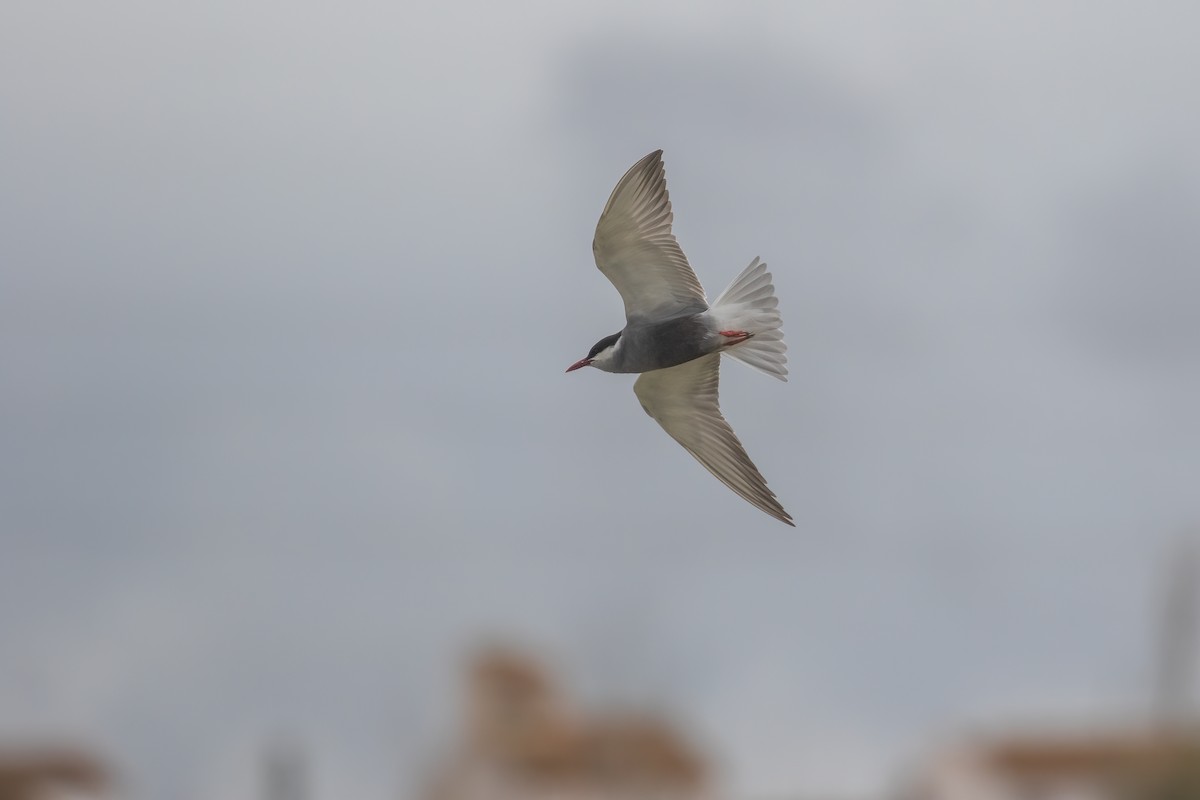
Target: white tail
x: 749, y: 304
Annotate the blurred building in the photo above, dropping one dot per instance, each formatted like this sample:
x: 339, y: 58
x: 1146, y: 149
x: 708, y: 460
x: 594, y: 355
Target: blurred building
x: 1159, y: 760
x: 52, y: 774
x: 1146, y: 765
x: 522, y: 739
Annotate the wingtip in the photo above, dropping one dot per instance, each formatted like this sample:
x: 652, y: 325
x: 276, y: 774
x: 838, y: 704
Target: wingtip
x: 778, y: 512
x: 652, y: 157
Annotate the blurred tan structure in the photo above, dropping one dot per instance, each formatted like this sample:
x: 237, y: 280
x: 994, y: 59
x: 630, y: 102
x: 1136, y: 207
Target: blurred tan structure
x: 1148, y: 765
x: 52, y: 773
x: 1159, y: 760
x: 523, y: 740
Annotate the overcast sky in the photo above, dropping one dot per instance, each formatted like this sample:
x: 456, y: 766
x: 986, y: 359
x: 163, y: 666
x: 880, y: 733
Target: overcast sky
x: 286, y: 295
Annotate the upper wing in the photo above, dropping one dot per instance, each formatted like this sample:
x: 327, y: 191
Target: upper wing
x: 636, y: 250
x: 683, y: 400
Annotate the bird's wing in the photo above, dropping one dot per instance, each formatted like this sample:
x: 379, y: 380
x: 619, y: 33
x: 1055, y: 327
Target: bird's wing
x: 683, y: 400
x: 635, y: 249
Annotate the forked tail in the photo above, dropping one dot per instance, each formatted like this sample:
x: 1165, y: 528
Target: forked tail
x: 750, y: 305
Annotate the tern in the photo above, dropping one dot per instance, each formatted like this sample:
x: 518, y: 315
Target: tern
x: 674, y: 338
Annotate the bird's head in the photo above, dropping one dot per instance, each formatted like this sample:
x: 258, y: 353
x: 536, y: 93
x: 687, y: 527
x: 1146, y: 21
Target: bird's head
x: 601, y: 354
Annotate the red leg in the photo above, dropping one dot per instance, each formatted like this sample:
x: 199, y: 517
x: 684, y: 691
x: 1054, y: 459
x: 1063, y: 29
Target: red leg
x: 739, y: 336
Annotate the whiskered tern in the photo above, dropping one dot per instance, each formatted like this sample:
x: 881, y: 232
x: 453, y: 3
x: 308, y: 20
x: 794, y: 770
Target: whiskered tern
x: 674, y: 338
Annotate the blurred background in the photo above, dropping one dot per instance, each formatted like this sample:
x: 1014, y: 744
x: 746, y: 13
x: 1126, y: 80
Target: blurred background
x: 297, y: 502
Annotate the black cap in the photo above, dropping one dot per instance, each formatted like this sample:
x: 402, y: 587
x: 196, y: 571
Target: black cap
x: 607, y: 341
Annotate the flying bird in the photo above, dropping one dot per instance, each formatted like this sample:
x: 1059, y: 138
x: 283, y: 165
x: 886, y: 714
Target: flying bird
x: 674, y: 338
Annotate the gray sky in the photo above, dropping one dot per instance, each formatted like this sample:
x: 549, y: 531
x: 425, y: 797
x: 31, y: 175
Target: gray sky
x: 286, y: 293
